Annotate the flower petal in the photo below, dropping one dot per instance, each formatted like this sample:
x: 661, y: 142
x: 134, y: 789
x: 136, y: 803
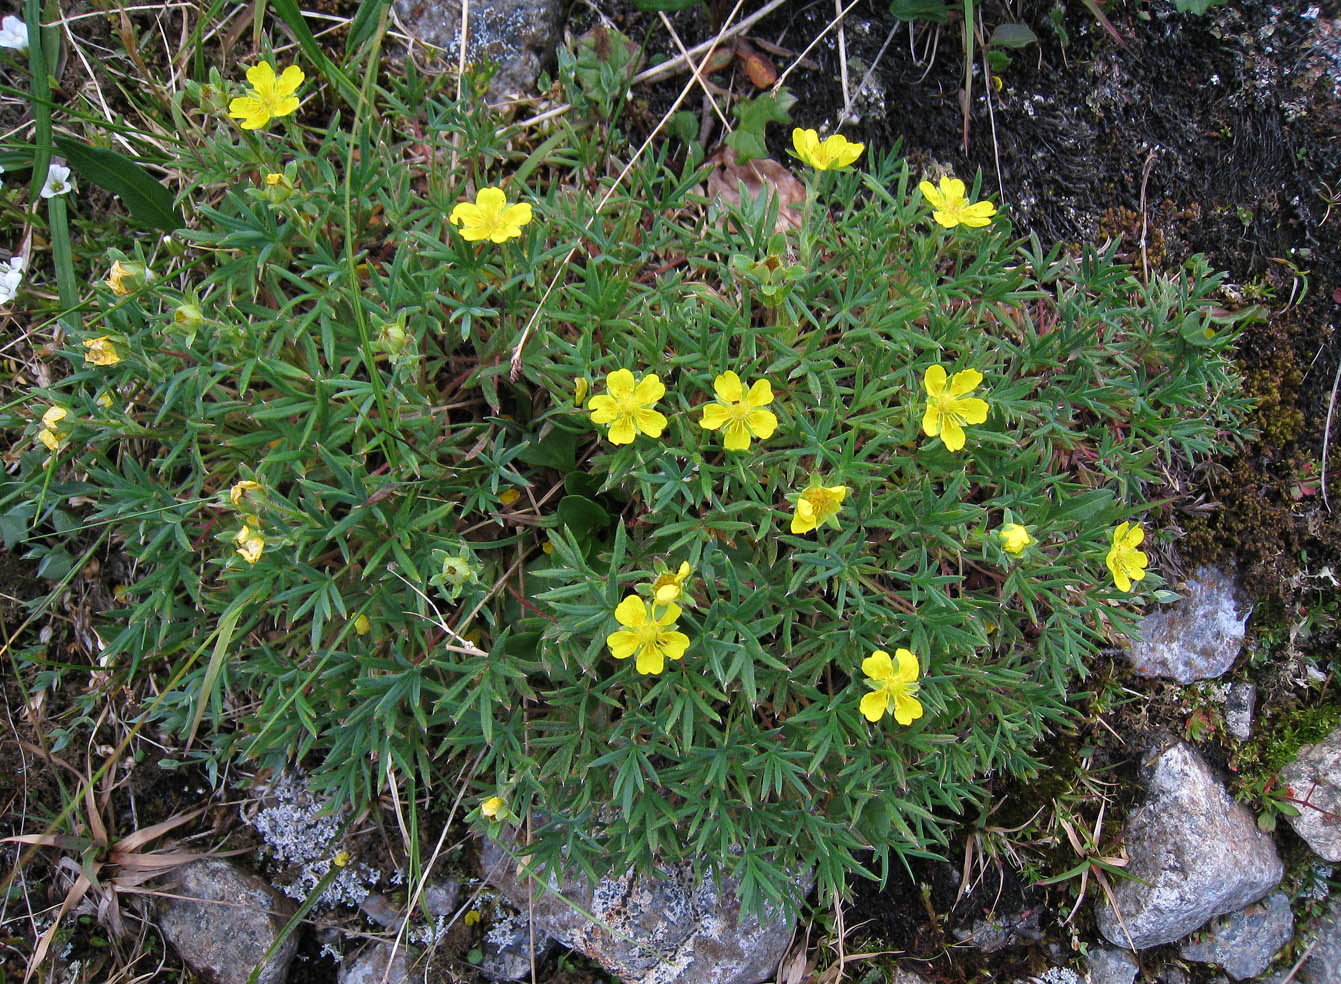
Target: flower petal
x: 491, y: 200
x: 669, y: 616
x: 931, y: 421
x: 803, y: 520
x: 289, y: 81
x: 760, y: 394
x: 934, y: 380
x: 650, y: 422
x: 965, y: 381
x: 907, y: 709
x: 952, y: 434
x: 623, y: 430
x: 762, y: 423
x: 908, y: 668
x: 714, y: 416
x: 727, y: 387
x: 651, y: 661
x: 952, y: 189
x: 631, y: 612
x: 650, y: 389
x: 973, y: 410
x: 467, y: 212
x: 874, y: 705
x: 261, y: 76
x: 622, y: 643
x: 1134, y: 538
x: 878, y: 666
x: 673, y: 644
x: 736, y: 436
x: 929, y: 192
x: 947, y: 217
x: 620, y: 384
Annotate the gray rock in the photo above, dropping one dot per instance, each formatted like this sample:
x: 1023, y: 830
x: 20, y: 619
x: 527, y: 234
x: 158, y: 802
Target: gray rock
x: 1239, y: 705
x: 1055, y: 975
x: 667, y: 930
x: 902, y: 976
x: 1323, y: 965
x: 1198, y: 637
x: 1112, y: 967
x: 507, y: 948
x: 1194, y: 854
x: 517, y: 35
x: 1244, y: 942
x: 370, y: 966
x: 441, y: 897
x: 1315, y: 778
x: 226, y: 922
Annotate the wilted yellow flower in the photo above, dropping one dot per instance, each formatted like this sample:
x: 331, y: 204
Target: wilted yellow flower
x: 580, y: 389
x: 341, y: 859
x: 818, y: 505
x: 270, y: 97
x: 101, y: 352
x: 471, y: 917
x: 628, y: 406
x: 363, y: 625
x: 117, y: 278
x: 738, y: 412
x: 250, y: 543
x: 951, y: 207
x: 490, y: 217
x: 828, y: 154
x: 949, y: 408
x: 188, y: 315
x: 278, y: 187
x: 508, y: 496
x: 668, y: 587
x: 893, y: 689
x: 241, y: 490
x: 651, y: 637
x: 1014, y: 538
x: 54, y: 430
x: 490, y: 807
x: 1124, y: 561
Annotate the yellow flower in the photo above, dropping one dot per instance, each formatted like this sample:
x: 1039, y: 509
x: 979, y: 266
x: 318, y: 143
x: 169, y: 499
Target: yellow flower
x: 668, y: 587
x: 119, y: 274
x: 250, y: 543
x: 341, y: 859
x: 508, y: 496
x: 490, y: 217
x: 628, y: 407
x: 738, y: 412
x: 817, y: 505
x: 833, y: 152
x: 490, y: 808
x: 362, y: 625
x: 950, y: 408
x: 951, y: 207
x: 54, y: 430
x: 240, y: 491
x: 101, y: 352
x: 1014, y: 538
x: 270, y: 97
x: 1124, y: 561
x: 652, y: 638
x: 892, y: 689
x: 472, y: 917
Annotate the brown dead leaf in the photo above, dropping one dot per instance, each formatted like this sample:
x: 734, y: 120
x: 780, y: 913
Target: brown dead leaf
x: 724, y: 185
x: 757, y: 66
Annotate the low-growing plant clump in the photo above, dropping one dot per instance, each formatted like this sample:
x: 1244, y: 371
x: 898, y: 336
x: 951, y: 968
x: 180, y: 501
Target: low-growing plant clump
x: 437, y: 451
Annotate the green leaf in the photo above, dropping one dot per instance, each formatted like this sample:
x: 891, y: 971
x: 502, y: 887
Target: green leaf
x: 654, y: 5
x: 935, y: 11
x: 147, y: 201
x: 1013, y: 36
x: 582, y: 515
x: 557, y: 450
x: 752, y: 116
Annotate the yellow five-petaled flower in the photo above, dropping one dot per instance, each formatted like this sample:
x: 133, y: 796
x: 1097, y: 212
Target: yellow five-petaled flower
x: 893, y: 688
x: 650, y: 637
x: 950, y: 407
x: 492, y: 807
x: 817, y: 505
x: 627, y: 406
x: 1014, y: 538
x: 950, y: 205
x: 270, y: 96
x: 490, y: 217
x: 739, y: 413
x: 1124, y: 561
x: 101, y: 352
x: 828, y: 154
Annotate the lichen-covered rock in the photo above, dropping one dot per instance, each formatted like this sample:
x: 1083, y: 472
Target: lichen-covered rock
x: 1111, y: 966
x: 1198, y: 637
x: 1314, y: 778
x: 510, y: 947
x: 517, y: 35
x: 1194, y: 854
x: 1323, y: 965
x: 668, y: 930
x: 1239, y: 705
x: 378, y: 964
x: 1244, y: 942
x: 222, y: 920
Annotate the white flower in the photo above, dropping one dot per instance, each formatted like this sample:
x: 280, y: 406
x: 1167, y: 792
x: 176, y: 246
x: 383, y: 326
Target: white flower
x: 13, y: 33
x: 11, y: 275
x: 58, y: 181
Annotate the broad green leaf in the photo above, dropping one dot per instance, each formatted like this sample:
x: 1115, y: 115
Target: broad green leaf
x: 147, y: 201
